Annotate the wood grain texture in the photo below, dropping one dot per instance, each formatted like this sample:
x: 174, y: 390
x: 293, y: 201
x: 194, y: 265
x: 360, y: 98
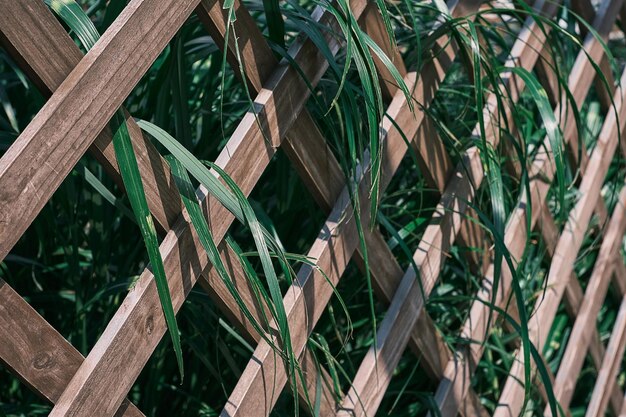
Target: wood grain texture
x: 332, y: 250
x: 37, y: 353
x: 375, y: 371
x: 574, y: 300
x: 317, y: 166
x: 235, y: 406
x: 605, y: 382
x: 161, y: 191
x: 280, y: 108
x: 51, y: 145
x: 139, y: 322
x: 47, y: 54
x: 566, y: 250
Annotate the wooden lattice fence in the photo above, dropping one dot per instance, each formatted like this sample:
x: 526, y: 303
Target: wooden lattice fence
x: 85, y: 91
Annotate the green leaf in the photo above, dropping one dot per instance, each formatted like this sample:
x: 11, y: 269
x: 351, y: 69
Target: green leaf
x: 129, y: 170
x: 275, y: 23
x: 79, y: 22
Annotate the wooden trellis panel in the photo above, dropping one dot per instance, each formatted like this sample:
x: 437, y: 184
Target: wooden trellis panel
x: 48, y: 149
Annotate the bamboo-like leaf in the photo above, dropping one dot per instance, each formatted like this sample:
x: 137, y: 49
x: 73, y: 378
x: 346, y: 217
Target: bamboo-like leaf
x: 80, y: 23
x: 275, y: 22
x: 74, y: 16
x: 552, y: 127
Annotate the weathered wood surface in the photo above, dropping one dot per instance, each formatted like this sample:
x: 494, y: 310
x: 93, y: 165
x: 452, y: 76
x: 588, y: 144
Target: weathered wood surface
x: 317, y: 166
x: 452, y: 390
x: 606, y: 380
x: 37, y: 353
x: 375, y: 371
x: 245, y: 157
x: 340, y: 240
x: 65, y: 127
x: 161, y: 191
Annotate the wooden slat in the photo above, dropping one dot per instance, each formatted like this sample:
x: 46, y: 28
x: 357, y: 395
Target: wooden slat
x: 611, y: 364
x: 374, y: 373
x: 161, y: 191
x: 263, y: 376
x: 584, y: 329
x: 42, y: 156
x: 573, y: 303
x: 585, y: 9
x: 332, y: 250
x: 376, y: 369
x: 567, y: 248
x: 541, y: 174
x: 37, y: 353
x: 430, y: 152
x: 372, y: 23
x: 138, y: 325
x: 47, y: 54
x: 317, y: 166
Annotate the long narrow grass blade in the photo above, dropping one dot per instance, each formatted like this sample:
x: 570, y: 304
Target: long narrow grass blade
x: 129, y: 170
x: 79, y: 22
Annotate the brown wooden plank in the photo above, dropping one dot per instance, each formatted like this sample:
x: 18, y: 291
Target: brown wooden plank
x: 567, y: 249
x: 139, y: 322
x: 51, y: 145
x: 375, y: 371
x: 161, y: 191
x: 317, y: 165
x: 47, y: 54
x: 611, y: 363
x: 582, y: 333
x: 574, y: 299
x: 372, y: 23
x: 36, y: 352
x: 320, y: 170
x: 333, y: 248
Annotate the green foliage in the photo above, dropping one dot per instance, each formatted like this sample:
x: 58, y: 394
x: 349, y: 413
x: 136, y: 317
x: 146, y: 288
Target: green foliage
x: 83, y: 253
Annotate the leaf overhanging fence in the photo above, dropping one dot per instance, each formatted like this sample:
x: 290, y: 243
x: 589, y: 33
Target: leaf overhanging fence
x: 48, y: 149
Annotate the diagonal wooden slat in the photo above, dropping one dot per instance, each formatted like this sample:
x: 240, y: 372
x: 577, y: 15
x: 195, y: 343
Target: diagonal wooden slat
x: 574, y: 300
x: 332, y: 250
x: 37, y: 353
x: 315, y: 163
x: 611, y: 363
x: 374, y: 373
x: 584, y: 332
x: 245, y: 157
x: 161, y: 191
x: 429, y: 150
x: 568, y: 246
x: 451, y: 394
x: 42, y: 156
x: 280, y: 109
